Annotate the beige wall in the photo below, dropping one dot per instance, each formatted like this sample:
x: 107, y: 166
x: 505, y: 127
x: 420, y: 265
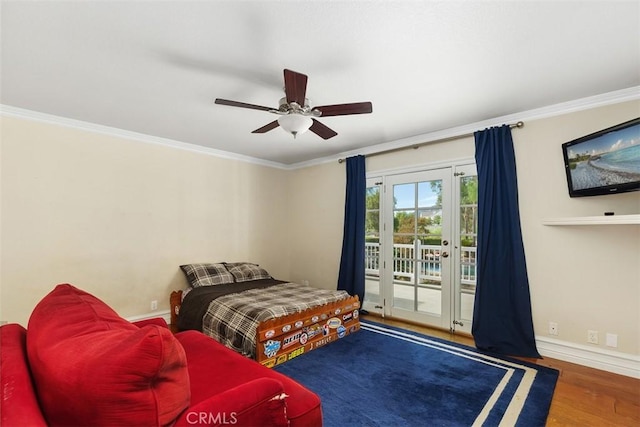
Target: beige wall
x: 117, y: 217
x: 316, y: 203
x: 581, y: 277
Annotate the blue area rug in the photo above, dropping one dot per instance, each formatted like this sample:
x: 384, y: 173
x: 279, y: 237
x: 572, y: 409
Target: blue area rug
x: 385, y: 376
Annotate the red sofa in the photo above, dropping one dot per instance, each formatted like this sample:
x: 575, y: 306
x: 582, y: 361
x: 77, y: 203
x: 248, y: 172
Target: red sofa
x: 80, y: 364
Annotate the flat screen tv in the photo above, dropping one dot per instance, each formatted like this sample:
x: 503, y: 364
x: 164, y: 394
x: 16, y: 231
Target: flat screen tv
x: 604, y: 162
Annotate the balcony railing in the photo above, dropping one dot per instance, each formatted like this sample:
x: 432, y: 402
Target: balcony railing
x: 426, y: 258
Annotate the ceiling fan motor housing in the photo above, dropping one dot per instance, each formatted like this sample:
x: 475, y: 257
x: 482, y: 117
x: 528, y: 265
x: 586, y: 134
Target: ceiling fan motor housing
x: 294, y: 107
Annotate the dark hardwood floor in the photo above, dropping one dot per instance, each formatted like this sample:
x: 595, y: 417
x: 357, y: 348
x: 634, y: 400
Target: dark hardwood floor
x: 583, y: 396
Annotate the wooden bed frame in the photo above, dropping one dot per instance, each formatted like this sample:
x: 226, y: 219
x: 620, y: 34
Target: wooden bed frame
x: 284, y: 338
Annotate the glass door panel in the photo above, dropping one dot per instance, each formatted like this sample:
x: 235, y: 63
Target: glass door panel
x: 373, y: 300
x: 466, y: 188
x: 416, y: 251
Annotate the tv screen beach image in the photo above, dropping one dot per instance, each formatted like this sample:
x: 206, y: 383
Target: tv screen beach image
x: 609, y: 159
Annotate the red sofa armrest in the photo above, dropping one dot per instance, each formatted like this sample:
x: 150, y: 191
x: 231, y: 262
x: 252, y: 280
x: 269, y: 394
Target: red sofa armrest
x: 159, y: 321
x: 260, y: 402
x: 19, y: 405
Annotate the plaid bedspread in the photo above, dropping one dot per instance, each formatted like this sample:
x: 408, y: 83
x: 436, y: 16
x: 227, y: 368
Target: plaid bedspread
x: 233, y: 319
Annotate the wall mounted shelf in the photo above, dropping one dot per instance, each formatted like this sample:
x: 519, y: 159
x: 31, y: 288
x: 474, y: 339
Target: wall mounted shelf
x: 594, y: 220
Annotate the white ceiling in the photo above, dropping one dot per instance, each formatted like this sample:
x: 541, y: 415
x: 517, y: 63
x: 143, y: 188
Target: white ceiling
x: 155, y: 67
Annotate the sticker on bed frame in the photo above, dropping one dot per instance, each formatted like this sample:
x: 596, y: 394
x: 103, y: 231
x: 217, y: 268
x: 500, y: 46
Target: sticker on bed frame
x: 281, y: 359
x: 347, y: 317
x: 313, y: 330
x: 291, y: 340
x: 315, y: 319
x: 342, y: 331
x: 295, y: 353
x: 299, y: 324
x: 304, y: 337
x: 271, y: 347
x: 334, y: 322
x: 321, y: 342
x: 286, y: 328
x: 270, y: 333
x: 356, y: 313
x: 269, y: 363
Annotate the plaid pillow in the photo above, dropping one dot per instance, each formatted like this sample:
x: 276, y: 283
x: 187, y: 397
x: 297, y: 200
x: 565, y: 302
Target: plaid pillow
x: 245, y: 271
x: 206, y: 274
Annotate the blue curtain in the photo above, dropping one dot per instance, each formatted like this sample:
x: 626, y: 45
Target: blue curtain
x: 351, y: 276
x: 502, y: 321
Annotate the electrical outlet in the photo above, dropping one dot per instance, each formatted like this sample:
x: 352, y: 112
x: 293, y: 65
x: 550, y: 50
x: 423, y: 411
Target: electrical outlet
x: 154, y: 305
x: 592, y: 337
x: 553, y: 328
x: 612, y: 340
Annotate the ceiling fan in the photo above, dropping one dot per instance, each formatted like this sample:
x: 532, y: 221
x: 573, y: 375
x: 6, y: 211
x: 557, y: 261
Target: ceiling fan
x: 296, y: 116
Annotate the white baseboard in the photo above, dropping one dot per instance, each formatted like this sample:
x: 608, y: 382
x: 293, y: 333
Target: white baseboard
x: 165, y: 314
x: 593, y: 357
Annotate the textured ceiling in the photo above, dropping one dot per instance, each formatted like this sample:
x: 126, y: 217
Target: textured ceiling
x: 155, y: 67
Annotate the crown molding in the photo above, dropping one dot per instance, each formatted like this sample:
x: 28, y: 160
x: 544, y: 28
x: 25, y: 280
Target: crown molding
x: 615, y: 97
x: 21, y: 113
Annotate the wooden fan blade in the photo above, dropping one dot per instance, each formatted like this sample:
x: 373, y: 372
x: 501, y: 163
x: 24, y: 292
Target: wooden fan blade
x: 345, y: 109
x: 266, y: 128
x: 295, y: 87
x: 321, y: 130
x: 242, y: 105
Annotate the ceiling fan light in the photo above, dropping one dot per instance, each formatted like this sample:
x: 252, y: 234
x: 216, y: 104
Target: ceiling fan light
x: 295, y: 124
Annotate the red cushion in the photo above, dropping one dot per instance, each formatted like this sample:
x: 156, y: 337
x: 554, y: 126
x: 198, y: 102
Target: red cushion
x: 158, y: 321
x: 91, y: 367
x: 213, y: 369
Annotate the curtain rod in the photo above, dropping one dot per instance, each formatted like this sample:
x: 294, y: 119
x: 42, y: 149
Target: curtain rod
x: 416, y: 146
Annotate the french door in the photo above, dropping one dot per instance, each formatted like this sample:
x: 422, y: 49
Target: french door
x: 420, y: 246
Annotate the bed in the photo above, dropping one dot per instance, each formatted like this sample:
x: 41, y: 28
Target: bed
x: 269, y: 320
